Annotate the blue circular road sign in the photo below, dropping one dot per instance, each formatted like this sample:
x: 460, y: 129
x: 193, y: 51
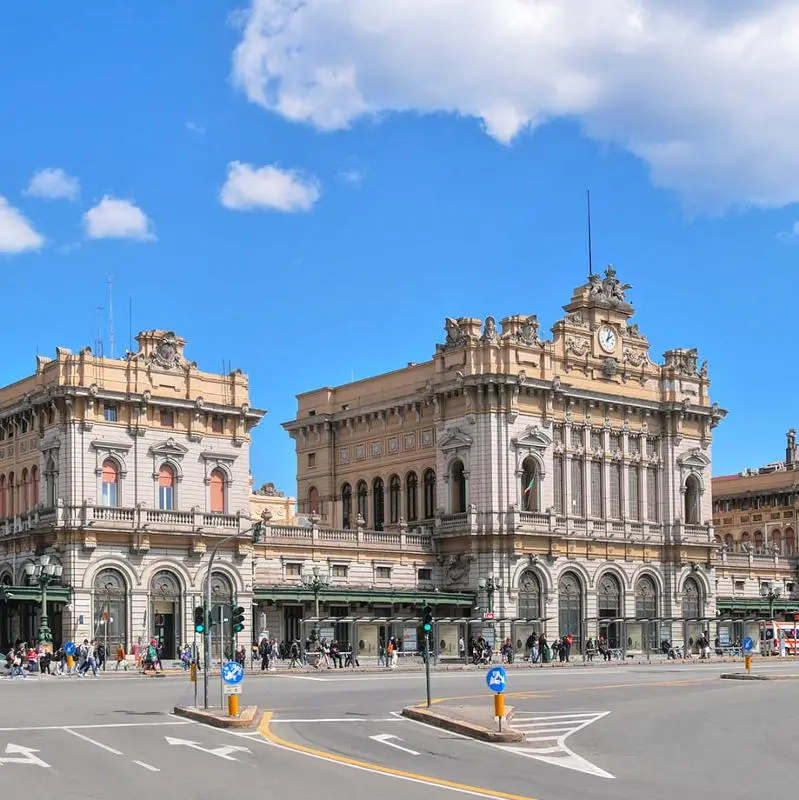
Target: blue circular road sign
x: 69, y: 649
x: 232, y: 673
x: 748, y: 644
x: 496, y: 678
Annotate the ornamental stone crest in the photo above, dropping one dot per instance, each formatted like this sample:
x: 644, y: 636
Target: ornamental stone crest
x: 166, y: 352
x: 609, y: 288
x: 455, y: 336
x: 528, y: 333
x: 610, y: 367
x: 490, y: 333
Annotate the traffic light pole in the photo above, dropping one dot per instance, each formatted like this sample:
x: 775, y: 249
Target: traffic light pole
x: 427, y: 664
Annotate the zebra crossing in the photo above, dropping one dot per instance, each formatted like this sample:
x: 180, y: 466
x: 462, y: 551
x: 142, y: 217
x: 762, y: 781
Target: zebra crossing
x: 545, y: 735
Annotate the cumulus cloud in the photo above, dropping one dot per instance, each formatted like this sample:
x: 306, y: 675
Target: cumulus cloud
x: 249, y: 188
x: 704, y: 91
x: 53, y: 184
x: 16, y: 232
x: 113, y: 218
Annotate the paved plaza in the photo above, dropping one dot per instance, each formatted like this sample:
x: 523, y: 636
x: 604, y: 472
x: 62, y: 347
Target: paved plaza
x: 592, y: 732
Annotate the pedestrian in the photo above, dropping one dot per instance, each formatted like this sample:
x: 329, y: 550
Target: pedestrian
x: 121, y: 658
x: 89, y: 654
x: 101, y: 656
x: 390, y: 654
x: 543, y: 649
x: 462, y: 648
x: 263, y: 651
x: 568, y: 641
x: 294, y: 652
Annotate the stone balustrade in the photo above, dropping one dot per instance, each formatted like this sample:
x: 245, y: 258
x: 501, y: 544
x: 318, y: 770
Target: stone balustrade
x: 358, y: 538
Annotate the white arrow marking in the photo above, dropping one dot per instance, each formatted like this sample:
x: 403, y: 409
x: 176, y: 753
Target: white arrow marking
x: 383, y: 738
x: 220, y: 752
x: 27, y: 752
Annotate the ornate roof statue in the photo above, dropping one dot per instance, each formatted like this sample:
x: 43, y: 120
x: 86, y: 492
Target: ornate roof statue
x: 608, y: 288
x: 528, y: 333
x: 455, y: 336
x: 490, y: 333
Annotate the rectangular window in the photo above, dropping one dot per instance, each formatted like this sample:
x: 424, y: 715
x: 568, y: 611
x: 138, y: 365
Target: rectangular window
x: 217, y: 424
x: 557, y: 434
x: 596, y: 488
x: 339, y: 570
x: 167, y: 418
x: 596, y: 440
x: 740, y: 586
x: 110, y: 494
x: 577, y: 504
x: 384, y: 572
x: 615, y: 442
x: 633, y: 495
x: 652, y: 495
x: 634, y: 444
x: 293, y: 570
x: 651, y: 447
x: 311, y: 459
x: 425, y: 574
x: 110, y: 413
x: 165, y: 498
x: 615, y: 490
x: 577, y: 437
x: 557, y: 483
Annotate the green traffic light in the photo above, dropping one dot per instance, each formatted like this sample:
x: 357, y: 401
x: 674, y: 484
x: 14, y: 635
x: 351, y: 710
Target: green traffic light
x: 428, y: 627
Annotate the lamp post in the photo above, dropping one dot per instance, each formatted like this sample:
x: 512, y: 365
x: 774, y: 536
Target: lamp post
x: 491, y: 585
x: 44, y: 572
x: 315, y: 582
x: 771, y: 592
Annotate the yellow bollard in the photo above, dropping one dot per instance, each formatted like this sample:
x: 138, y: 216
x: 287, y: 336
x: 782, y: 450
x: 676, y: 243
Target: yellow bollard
x: 499, y: 708
x: 233, y: 705
x: 748, y: 663
x: 193, y: 673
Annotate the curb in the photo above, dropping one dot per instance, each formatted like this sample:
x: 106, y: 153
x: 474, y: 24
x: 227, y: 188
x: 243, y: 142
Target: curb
x: 742, y: 676
x: 246, y: 718
x: 470, y: 729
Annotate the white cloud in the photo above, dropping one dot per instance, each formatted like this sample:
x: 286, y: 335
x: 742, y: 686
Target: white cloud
x: 704, y: 91
x: 195, y: 127
x: 248, y: 188
x: 112, y: 218
x: 792, y: 233
x: 53, y: 184
x: 16, y: 232
x: 352, y: 176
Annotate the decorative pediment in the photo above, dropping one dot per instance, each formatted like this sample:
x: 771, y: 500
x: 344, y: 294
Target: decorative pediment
x: 222, y: 458
x: 169, y: 449
x: 534, y: 438
x: 694, y: 459
x: 453, y: 439
x: 111, y: 447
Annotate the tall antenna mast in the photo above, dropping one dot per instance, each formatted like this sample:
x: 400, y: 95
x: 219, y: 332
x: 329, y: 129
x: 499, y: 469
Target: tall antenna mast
x: 130, y: 324
x: 111, y: 342
x: 590, y: 254
x: 98, y: 345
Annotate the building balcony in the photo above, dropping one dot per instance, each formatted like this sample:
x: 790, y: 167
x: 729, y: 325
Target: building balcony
x: 756, y: 560
x: 28, y: 521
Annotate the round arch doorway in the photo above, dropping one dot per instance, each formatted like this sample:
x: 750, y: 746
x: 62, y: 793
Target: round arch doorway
x: 165, y: 615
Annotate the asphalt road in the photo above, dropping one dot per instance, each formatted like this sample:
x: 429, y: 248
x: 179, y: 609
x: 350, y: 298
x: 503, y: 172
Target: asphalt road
x: 618, y: 732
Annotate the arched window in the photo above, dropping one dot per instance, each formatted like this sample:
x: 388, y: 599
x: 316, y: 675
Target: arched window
x: 529, y: 596
x: 111, y: 608
x: 531, y: 490
x: 3, y: 499
x: 692, y: 495
x: 429, y: 494
x: 346, y: 506
x: 216, y: 492
x: 394, y: 499
x: 691, y: 599
x: 609, y: 608
x: 570, y: 607
x: 166, y: 488
x: 646, y: 598
x: 790, y: 542
x: 11, y: 490
x: 411, y: 497
x: 776, y: 541
x: 363, y: 491
x: 110, y: 493
x: 165, y: 617
x: 729, y: 542
x: 313, y: 500
x: 378, y: 501
x: 23, y: 491
x: 34, y: 486
x: 758, y: 541
x: 457, y: 488
x: 746, y: 541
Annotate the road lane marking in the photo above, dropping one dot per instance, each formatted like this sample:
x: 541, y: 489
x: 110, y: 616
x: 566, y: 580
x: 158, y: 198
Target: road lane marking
x: 340, y: 719
x: 93, y: 741
x: 364, y: 766
x: 221, y: 752
x: 147, y: 766
x: 90, y: 727
x: 27, y: 754
x: 383, y: 738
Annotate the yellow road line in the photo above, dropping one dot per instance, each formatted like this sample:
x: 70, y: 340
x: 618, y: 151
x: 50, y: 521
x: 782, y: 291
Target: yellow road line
x: 265, y: 730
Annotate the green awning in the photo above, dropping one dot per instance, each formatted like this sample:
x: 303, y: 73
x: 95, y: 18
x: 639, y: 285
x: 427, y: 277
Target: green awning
x: 299, y: 594
x: 33, y: 594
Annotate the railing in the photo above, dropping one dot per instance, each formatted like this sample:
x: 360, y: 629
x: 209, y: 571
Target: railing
x: 29, y: 520
x: 357, y: 538
x: 290, y: 532
x: 453, y: 520
x: 333, y: 535
x: 534, y: 518
x: 169, y: 517
x: 381, y: 537
x: 113, y: 514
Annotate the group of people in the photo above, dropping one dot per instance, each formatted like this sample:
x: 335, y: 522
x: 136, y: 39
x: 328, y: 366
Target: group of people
x: 23, y: 660
x: 539, y: 651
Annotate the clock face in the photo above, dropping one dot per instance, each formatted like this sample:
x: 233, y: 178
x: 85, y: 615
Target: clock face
x: 607, y: 339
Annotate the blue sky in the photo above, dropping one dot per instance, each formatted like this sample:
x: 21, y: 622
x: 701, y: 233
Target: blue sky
x: 308, y: 190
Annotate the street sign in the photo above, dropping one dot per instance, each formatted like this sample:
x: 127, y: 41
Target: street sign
x: 496, y: 678
x: 232, y: 688
x: 69, y: 649
x: 748, y: 644
x: 232, y: 672
x: 489, y: 615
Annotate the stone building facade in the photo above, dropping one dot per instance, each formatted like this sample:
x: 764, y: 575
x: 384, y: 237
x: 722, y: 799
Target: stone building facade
x: 126, y: 472
x: 562, y: 483
x: 754, y: 516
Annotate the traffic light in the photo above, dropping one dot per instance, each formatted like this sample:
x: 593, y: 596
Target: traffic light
x: 199, y: 622
x: 427, y: 619
x: 238, y: 619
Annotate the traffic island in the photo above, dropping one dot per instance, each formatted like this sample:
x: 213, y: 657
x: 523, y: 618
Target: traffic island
x: 474, y: 721
x: 218, y: 718
x: 749, y: 676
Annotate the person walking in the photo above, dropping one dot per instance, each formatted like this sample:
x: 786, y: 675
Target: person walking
x: 120, y: 658
x: 101, y: 656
